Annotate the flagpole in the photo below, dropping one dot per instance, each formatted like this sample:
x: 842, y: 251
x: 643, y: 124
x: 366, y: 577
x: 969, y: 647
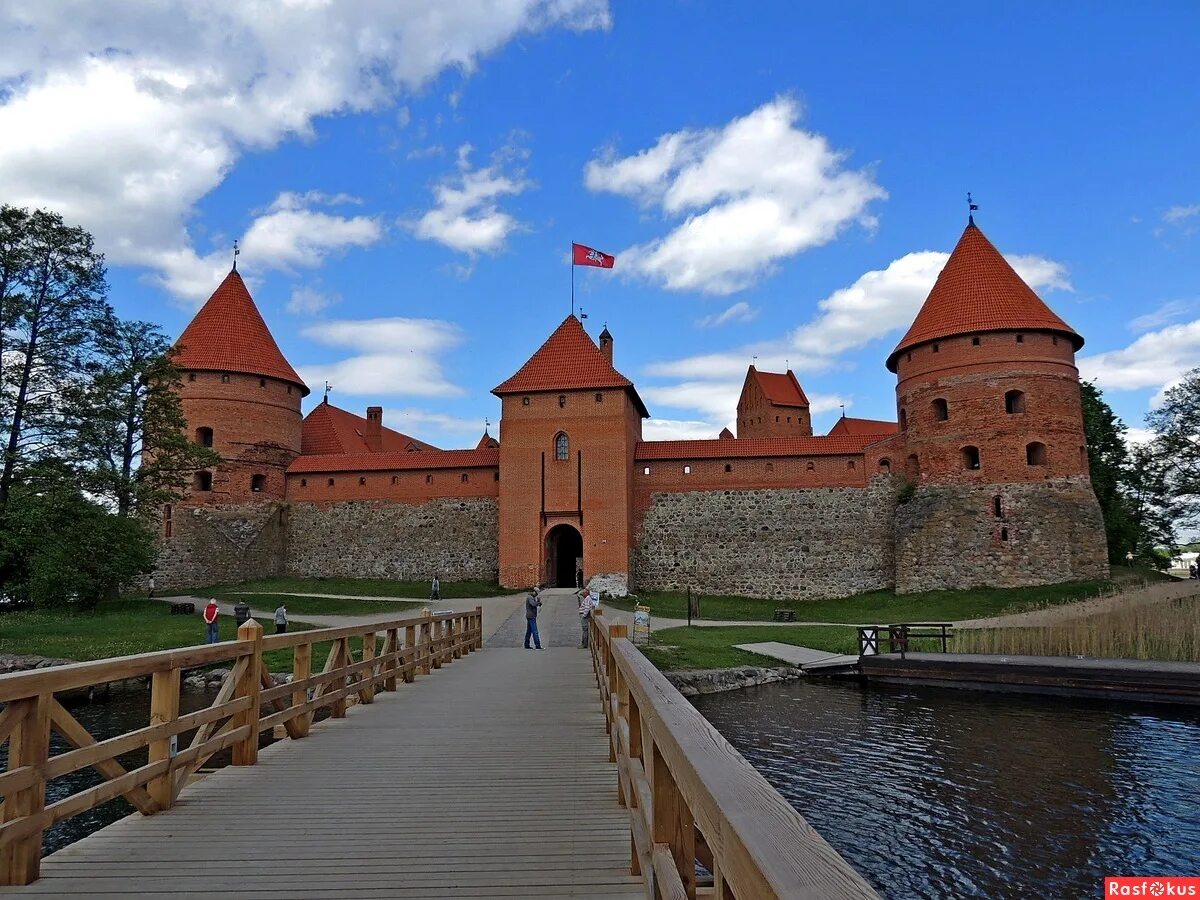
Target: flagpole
x: 572, y: 278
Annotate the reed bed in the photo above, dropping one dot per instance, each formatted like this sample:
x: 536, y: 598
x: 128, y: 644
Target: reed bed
x: 1167, y: 630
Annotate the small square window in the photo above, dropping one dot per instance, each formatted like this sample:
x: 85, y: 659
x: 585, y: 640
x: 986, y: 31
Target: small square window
x: 465, y: 478
x: 728, y: 467
x: 303, y: 482
x: 646, y: 470
x: 599, y: 398
x: 289, y: 388
x: 687, y: 470
x: 395, y: 479
x: 191, y: 376
x: 429, y: 479
x: 262, y: 382
x: 361, y: 480
x: 224, y: 379
x: 495, y: 476
x: 562, y: 400
x: 1020, y: 338
x: 524, y: 401
x: 935, y: 348
x: 974, y: 342
x: 331, y: 482
x: 1054, y: 340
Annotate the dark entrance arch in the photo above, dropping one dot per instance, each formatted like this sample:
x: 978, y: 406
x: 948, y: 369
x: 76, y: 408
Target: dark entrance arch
x: 564, y: 546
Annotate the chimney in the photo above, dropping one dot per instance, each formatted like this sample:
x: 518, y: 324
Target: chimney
x: 606, y: 344
x: 374, y: 432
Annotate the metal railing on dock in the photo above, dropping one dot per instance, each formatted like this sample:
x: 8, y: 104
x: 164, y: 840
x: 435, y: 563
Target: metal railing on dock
x: 692, y: 798
x: 248, y: 704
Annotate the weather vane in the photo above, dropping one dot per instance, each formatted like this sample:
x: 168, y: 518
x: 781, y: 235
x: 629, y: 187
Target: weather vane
x: 972, y: 207
x: 236, y: 251
x: 843, y: 406
x: 328, y: 388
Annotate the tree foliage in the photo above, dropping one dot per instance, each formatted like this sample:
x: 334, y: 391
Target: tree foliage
x: 1176, y: 425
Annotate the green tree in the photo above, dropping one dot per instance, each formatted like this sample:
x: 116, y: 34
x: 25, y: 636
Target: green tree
x: 53, y: 303
x: 1153, y: 510
x: 1108, y: 460
x: 1176, y: 425
x: 129, y: 437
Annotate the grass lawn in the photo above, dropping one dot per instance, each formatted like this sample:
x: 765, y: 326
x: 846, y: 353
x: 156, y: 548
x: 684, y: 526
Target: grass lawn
x: 713, y: 648
x: 366, y: 587
x: 323, y: 606
x: 883, y: 607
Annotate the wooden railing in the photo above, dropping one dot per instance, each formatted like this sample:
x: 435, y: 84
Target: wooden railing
x: 692, y: 798
x: 248, y: 704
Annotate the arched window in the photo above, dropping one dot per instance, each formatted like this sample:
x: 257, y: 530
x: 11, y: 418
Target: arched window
x: 1004, y: 534
x: 885, y: 466
x: 941, y: 412
x: 903, y: 419
x: 562, y: 400
x: 202, y: 481
x: 687, y: 470
x: 331, y: 482
x: 362, y: 480
x: 850, y: 464
x: 465, y: 477
x: 258, y: 482
x: 770, y: 468
x: 1035, y: 454
x: 970, y: 457
x: 1014, y: 402
x: 395, y: 479
x: 728, y: 467
x: 429, y: 479
x: 562, y: 446
x: 810, y: 466
x: 303, y: 482
x: 998, y: 506
x: 204, y: 436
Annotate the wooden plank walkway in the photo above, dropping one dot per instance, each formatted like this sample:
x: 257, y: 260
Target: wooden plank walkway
x: 489, y: 778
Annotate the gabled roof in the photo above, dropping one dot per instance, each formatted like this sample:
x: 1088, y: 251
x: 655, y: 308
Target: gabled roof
x: 395, y: 460
x: 780, y: 389
x: 328, y: 429
x: 569, y: 360
x: 979, y: 291
x: 229, y: 335
x: 486, y: 441
x: 833, y: 445
x: 848, y: 425
x: 726, y: 435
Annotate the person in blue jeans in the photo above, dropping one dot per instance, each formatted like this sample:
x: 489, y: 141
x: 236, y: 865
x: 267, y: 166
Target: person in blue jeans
x: 210, y: 621
x: 532, y: 602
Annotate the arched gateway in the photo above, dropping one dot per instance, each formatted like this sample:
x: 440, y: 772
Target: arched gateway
x: 564, y: 554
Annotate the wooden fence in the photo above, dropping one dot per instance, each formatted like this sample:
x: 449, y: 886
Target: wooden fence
x: 248, y: 704
x: 692, y: 798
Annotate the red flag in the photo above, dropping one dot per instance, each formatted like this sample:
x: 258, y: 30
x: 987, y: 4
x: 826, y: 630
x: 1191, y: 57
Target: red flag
x: 586, y: 256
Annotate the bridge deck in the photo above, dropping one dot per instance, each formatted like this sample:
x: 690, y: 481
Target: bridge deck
x: 488, y: 779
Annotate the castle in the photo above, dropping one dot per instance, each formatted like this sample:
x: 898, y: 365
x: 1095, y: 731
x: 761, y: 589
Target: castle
x: 983, y: 480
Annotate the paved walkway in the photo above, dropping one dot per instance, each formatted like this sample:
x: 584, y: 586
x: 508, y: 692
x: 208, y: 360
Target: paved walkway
x: 558, y: 622
x: 489, y: 778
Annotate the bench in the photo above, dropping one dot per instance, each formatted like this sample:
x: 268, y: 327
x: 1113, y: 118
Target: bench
x: 785, y: 615
x: 183, y: 609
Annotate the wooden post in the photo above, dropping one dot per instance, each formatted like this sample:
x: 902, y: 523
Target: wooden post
x: 164, y: 708
x: 451, y: 639
x: 435, y: 657
x: 245, y: 752
x: 479, y: 628
x: 614, y: 632
x: 29, y: 745
x: 673, y: 824
x: 345, y: 656
x: 410, y: 640
x: 367, y: 694
x: 633, y: 716
x: 391, y: 643
x: 301, y: 669
x: 425, y: 653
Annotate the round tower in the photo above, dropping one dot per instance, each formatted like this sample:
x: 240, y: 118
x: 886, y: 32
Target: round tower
x: 240, y: 396
x: 992, y: 427
x: 987, y: 386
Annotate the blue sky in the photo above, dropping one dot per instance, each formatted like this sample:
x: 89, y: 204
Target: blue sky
x: 776, y: 181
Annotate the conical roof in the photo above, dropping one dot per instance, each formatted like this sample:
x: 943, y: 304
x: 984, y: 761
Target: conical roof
x: 229, y: 335
x: 569, y: 360
x: 979, y: 291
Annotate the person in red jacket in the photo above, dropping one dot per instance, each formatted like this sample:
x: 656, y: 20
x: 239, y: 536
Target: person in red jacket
x: 210, y: 619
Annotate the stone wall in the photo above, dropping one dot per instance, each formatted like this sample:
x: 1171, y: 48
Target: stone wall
x: 455, y: 538
x: 953, y: 536
x: 222, y: 543
x: 804, y: 543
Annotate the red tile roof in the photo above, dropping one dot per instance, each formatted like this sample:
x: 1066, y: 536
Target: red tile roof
x: 229, y: 335
x: 395, y: 460
x: 850, y: 425
x: 781, y: 389
x: 569, y: 360
x: 979, y: 291
x: 328, y: 429
x: 486, y: 441
x: 788, y: 446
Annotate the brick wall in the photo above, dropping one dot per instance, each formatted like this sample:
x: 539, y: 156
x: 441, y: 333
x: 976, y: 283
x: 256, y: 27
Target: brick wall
x: 222, y: 543
x: 758, y: 418
x: 956, y: 536
x: 804, y: 543
x: 454, y: 538
x: 406, y: 486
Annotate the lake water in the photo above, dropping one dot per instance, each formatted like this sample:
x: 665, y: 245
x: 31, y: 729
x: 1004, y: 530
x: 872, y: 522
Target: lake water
x: 934, y: 792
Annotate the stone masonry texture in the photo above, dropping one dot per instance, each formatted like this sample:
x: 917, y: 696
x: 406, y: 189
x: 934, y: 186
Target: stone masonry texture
x: 1002, y: 535
x: 222, y: 543
x: 808, y: 543
x: 458, y: 539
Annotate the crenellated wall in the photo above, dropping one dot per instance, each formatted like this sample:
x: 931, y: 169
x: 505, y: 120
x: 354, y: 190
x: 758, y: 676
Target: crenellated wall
x: 804, y: 543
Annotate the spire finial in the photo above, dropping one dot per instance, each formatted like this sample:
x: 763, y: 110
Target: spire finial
x: 328, y: 388
x: 843, y: 407
x: 487, y: 423
x: 972, y: 207
x: 236, y: 251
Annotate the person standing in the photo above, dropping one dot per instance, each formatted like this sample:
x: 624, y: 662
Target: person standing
x: 532, y: 603
x: 435, y: 591
x: 150, y: 588
x: 210, y: 620
x: 585, y: 614
x: 281, y: 619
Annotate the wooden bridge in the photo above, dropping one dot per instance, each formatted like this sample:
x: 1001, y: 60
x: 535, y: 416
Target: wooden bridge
x: 457, y: 773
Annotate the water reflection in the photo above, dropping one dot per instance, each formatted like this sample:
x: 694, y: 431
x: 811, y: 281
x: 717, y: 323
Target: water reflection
x: 932, y: 792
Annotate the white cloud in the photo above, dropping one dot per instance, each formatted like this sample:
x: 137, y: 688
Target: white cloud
x: 1165, y: 313
x: 308, y: 300
x: 751, y: 193
x: 392, y: 356
x: 129, y: 113
x: 1136, y: 436
x: 738, y: 312
x: 680, y: 430
x: 1176, y: 214
x: 466, y: 216
x: 1157, y: 359
x: 416, y: 422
